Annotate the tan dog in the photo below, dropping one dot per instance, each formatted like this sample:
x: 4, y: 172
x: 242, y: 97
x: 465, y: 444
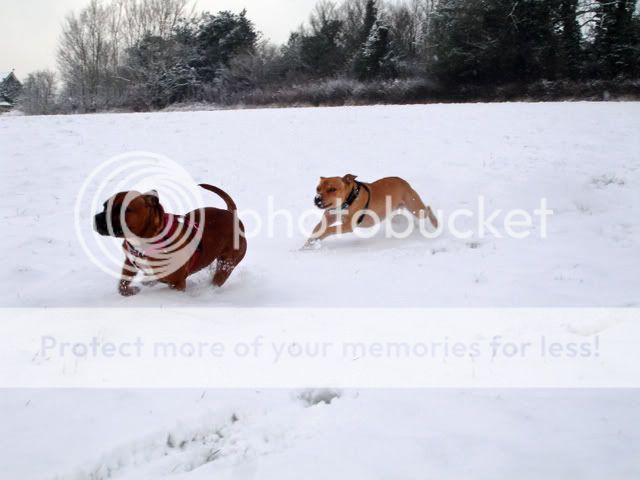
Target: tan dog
x: 353, y: 198
x: 171, y: 247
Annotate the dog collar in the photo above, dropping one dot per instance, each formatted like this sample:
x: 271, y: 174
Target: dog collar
x: 171, y: 223
x: 352, y: 198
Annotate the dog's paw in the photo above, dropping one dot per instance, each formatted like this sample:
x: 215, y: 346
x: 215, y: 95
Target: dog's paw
x: 311, y: 245
x: 128, y: 291
x: 180, y: 286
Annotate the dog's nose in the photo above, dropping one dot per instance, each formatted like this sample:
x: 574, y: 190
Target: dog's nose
x: 318, y: 201
x: 100, y: 224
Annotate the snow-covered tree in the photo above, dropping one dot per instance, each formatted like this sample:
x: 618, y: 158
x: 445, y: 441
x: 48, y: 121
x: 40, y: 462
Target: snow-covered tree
x: 38, y: 95
x: 615, y: 50
x: 218, y: 38
x: 377, y: 58
x: 158, y: 73
x: 88, y: 57
x: 495, y: 41
x: 94, y: 40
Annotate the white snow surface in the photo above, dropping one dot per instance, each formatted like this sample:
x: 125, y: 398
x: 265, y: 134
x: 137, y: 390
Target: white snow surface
x: 370, y: 434
x: 583, y: 157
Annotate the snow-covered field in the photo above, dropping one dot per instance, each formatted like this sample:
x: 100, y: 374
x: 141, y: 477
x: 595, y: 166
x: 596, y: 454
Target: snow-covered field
x: 365, y: 435
x: 582, y: 157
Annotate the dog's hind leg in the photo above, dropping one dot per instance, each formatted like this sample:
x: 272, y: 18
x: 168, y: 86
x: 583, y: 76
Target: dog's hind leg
x: 224, y: 269
x: 416, y: 206
x: 227, y: 262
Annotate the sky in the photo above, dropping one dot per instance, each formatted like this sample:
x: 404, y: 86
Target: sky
x: 30, y: 28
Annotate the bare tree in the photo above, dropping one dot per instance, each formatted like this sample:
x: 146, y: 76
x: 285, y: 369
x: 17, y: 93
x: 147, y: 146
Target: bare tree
x: 94, y: 40
x: 39, y: 93
x: 150, y: 17
x: 424, y: 11
x: 325, y: 11
x: 405, y: 21
x: 87, y: 56
x: 352, y: 13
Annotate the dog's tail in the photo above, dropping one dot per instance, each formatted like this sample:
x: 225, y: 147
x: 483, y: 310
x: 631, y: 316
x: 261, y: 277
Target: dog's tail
x: 231, y: 206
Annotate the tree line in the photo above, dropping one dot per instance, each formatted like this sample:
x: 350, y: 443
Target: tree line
x: 149, y: 54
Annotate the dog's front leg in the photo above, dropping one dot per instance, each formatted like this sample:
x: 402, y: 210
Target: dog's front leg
x: 345, y: 227
x: 328, y: 219
x: 129, y: 271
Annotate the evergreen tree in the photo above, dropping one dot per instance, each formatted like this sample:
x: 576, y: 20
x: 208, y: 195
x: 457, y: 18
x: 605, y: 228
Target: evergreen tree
x: 494, y: 41
x: 532, y: 40
x: 616, y: 41
x: 370, y: 18
x: 220, y: 37
x: 292, y: 55
x: 10, y: 88
x: 461, y: 46
x: 377, y: 57
x: 361, y: 64
x: 570, y: 52
x: 321, y: 51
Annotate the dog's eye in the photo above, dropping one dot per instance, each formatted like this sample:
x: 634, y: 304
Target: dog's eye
x: 331, y: 190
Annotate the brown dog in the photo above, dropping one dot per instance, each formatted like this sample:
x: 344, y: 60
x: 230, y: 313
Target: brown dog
x: 169, y: 247
x: 352, y: 198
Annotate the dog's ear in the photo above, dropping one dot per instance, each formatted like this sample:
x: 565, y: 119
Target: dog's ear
x: 349, y: 178
x: 151, y: 197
